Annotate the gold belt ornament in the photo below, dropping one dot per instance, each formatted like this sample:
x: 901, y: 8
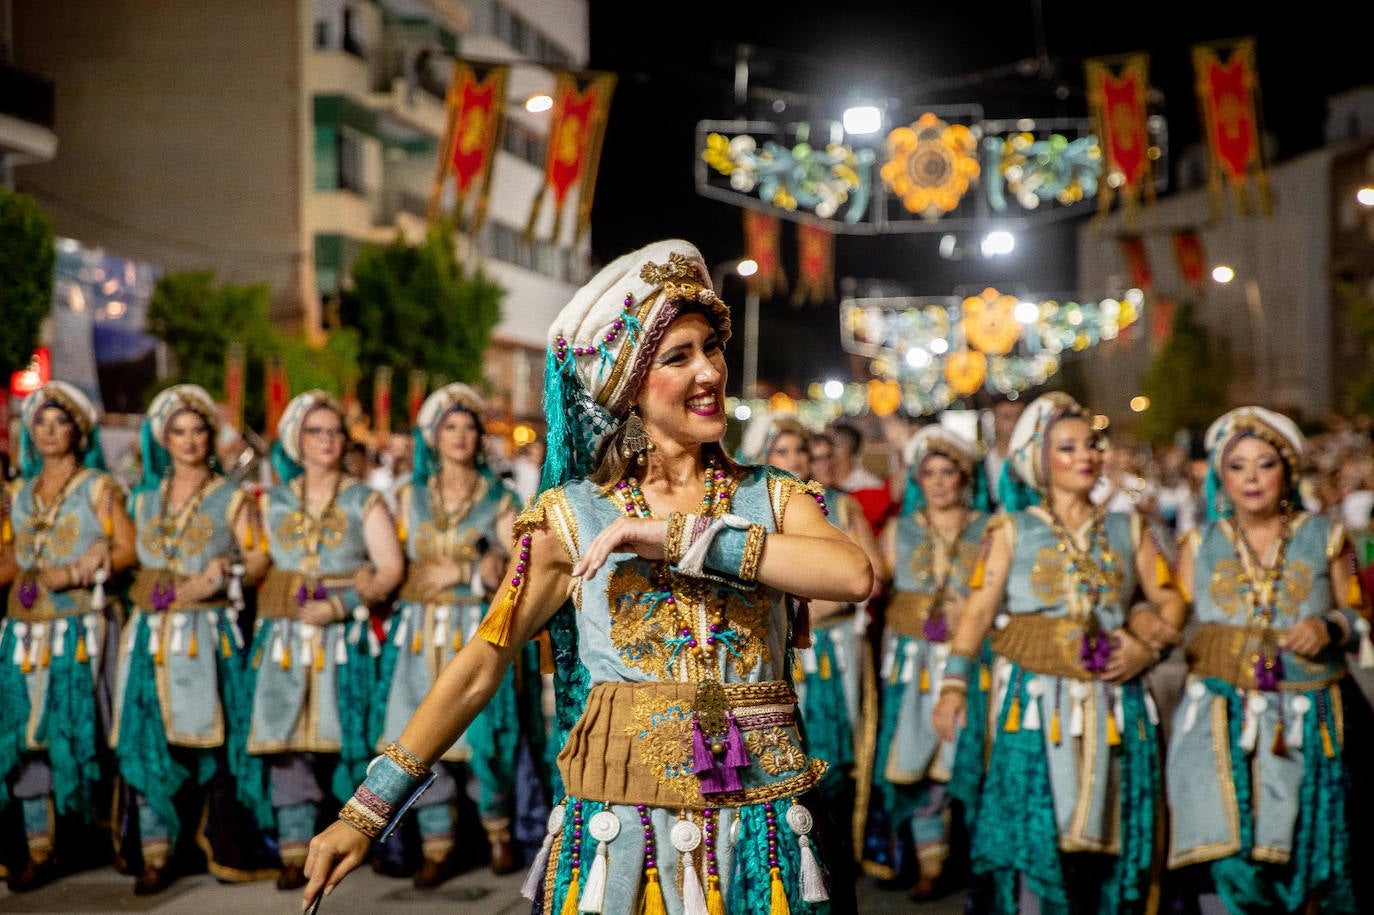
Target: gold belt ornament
x: 1049, y: 645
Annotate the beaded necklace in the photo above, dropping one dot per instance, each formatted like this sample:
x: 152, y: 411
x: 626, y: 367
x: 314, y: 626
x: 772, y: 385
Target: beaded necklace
x: 311, y: 531
x: 697, y: 633
x: 1091, y: 578
x: 444, y: 517
x: 168, y: 531
x: 37, y: 528
x: 1259, y: 588
x: 936, y: 627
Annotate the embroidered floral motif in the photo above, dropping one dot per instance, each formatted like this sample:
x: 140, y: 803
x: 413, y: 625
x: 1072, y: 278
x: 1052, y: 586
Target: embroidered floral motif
x: 775, y: 751
x: 1229, y: 584
x: 662, y: 730
x: 433, y: 543
x: 1050, y: 579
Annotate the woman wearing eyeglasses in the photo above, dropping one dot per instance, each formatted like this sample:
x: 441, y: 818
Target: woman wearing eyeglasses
x: 70, y: 534
x: 334, y: 555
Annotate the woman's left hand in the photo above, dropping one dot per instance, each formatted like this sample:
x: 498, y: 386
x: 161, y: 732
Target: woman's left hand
x: 643, y: 536
x: 1130, y: 657
x: 1307, y: 638
x: 96, y: 558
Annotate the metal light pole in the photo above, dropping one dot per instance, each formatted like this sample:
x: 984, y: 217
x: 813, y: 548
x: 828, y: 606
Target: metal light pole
x: 744, y: 268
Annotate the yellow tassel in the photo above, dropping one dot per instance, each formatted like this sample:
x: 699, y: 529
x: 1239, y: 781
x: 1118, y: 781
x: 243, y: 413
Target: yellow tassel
x: 81, y: 656
x: 418, y: 643
x: 570, y: 900
x: 1280, y: 747
x: 797, y: 673
x: 26, y: 666
x: 975, y: 579
x: 224, y: 649
x: 47, y: 654
x: 925, y: 680
x: 1055, y: 733
x: 1113, y: 735
x: 715, y: 902
x: 319, y: 655
x: 457, y: 637
x: 6, y: 531
x: 500, y: 620
x: 248, y: 536
x: 984, y: 678
x: 546, y: 665
x: 157, y: 656
x: 193, y: 646
x: 401, y: 532
x: 1014, y: 716
x: 777, y: 896
x: 107, y: 525
x: 1163, y: 574
x: 652, y: 903
x: 1327, y: 746
x: 286, y: 658
x: 1354, y: 597
x: 825, y: 667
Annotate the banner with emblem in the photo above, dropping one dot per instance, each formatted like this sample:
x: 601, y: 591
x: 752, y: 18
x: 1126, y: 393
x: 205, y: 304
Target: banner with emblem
x: 475, y: 104
x: 1118, y: 89
x: 415, y: 394
x: 815, y: 265
x: 278, y: 392
x: 1188, y: 256
x: 1162, y: 320
x: 233, y: 384
x: 762, y: 241
x: 581, y: 103
x: 1228, y: 96
x: 381, y: 404
x: 1137, y: 261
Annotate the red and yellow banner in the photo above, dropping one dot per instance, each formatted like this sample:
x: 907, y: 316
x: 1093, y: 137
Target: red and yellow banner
x: 475, y: 103
x: 581, y: 102
x: 381, y: 404
x: 815, y: 265
x: 1137, y: 261
x: 278, y: 392
x: 1188, y: 257
x: 415, y: 394
x: 1162, y: 320
x: 1228, y: 95
x: 1118, y: 88
x: 762, y: 242
x: 234, y: 384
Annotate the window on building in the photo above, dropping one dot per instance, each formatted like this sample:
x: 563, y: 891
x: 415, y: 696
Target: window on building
x: 353, y: 33
x: 326, y: 158
x: 350, y: 152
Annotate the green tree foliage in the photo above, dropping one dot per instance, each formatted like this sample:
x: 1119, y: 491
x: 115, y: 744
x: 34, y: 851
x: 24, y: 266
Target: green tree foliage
x: 417, y: 307
x: 1187, y: 381
x: 198, y: 319
x: 1358, y: 389
x: 26, y: 268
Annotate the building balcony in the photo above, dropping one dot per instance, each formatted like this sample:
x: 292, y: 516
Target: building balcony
x: 337, y: 73
x: 26, y: 117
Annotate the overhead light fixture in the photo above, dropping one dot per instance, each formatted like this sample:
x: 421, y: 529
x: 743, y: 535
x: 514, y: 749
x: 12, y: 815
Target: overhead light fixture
x: 998, y: 242
x: 538, y: 104
x: 862, y: 120
x: 1365, y: 196
x: 1223, y: 274
x: 747, y: 267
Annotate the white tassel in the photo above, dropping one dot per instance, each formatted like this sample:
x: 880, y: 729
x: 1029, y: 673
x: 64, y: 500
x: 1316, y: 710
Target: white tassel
x: 340, y: 650
x: 21, y: 631
x: 98, y: 591
x: 1299, y: 708
x: 235, y: 589
x: 278, y: 647
x: 1117, y: 711
x: 1366, y: 655
x: 604, y: 827
x: 1078, y: 694
x: 813, y: 889
x: 232, y: 615
x: 889, y: 657
x: 398, y: 638
x: 92, y: 643
x: 154, y: 640
x: 374, y: 647
x: 530, y: 888
x: 1151, y: 710
x: 441, y: 626
x: 1249, y: 735
x: 1030, y: 718
x: 693, y: 898
x: 909, y: 661
x: 59, y: 638
x: 1196, y: 691
x: 178, y: 633
x: 841, y: 656
x: 807, y: 656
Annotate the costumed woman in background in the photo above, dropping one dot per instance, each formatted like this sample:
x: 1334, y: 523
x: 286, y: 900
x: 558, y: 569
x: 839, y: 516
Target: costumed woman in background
x: 456, y: 519
x: 334, y: 554
x: 71, y: 534
x: 834, y: 674
x: 1067, y: 817
x: 181, y: 712
x: 682, y: 763
x: 1256, y: 772
x: 930, y: 553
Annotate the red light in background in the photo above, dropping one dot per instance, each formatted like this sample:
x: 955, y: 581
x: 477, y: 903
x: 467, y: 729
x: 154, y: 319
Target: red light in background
x: 37, y: 374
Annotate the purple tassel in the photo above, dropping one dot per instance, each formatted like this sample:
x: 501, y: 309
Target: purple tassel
x: 28, y: 593
x: 321, y: 592
x: 936, y: 629
x: 736, y: 756
x: 1268, y: 672
x: 163, y: 595
x: 302, y: 595
x: 704, y: 762
x: 1094, y: 650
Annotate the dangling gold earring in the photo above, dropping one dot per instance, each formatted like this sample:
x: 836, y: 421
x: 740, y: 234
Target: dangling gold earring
x: 635, y: 440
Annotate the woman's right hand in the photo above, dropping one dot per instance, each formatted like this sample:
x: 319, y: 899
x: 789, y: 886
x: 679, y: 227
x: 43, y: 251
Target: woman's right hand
x: 333, y: 854
x: 642, y: 536
x: 950, y: 714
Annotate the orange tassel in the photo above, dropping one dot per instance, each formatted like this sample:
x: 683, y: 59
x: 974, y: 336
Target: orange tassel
x: 401, y: 532
x: 825, y: 667
x: 545, y: 642
x: 1055, y: 734
x: 6, y: 531
x: 570, y: 900
x: 192, y: 646
x: 984, y: 678
x: 1327, y: 746
x: 286, y: 657
x: 925, y: 680
x: 417, y: 644
x: 457, y: 637
x: 499, y: 622
x: 47, y: 654
x: 81, y: 656
x: 1354, y: 597
x: 224, y: 649
x: 1113, y: 734
x: 1280, y: 747
x: 26, y: 666
x: 1163, y: 574
x: 319, y: 655
x: 975, y: 579
x: 248, y: 535
x: 1013, y: 716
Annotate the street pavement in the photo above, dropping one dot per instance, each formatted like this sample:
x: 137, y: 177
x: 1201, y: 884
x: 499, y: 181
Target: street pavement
x: 476, y: 892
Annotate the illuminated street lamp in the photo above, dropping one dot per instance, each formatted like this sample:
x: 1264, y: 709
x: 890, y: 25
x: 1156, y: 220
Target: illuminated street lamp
x: 745, y: 268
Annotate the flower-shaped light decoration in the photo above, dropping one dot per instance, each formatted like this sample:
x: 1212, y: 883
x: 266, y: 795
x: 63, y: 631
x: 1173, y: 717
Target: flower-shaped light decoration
x: 833, y: 183
x: 1033, y: 171
x: 965, y: 370
x: 931, y: 165
x: 989, y: 322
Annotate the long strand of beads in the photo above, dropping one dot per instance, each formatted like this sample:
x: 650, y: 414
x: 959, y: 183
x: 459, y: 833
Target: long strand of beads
x: 575, y: 860
x: 653, y: 889
x: 715, y: 902
x: 777, y: 894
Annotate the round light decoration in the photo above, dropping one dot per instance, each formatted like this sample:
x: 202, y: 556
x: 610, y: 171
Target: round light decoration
x: 931, y: 165
x: 965, y: 370
x: 990, y: 322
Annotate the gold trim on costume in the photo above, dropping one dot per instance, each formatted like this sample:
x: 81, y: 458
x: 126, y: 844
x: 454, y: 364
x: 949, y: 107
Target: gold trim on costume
x: 1043, y: 644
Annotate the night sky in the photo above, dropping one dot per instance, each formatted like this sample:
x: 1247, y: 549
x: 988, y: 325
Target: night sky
x: 1014, y: 59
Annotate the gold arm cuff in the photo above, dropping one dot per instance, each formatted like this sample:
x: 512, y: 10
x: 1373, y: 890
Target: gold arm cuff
x: 753, y: 552
x: 407, y: 760
x: 672, y: 541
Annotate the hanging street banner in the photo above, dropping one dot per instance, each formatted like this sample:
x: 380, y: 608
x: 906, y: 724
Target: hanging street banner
x: 234, y: 384
x: 581, y: 102
x: 815, y: 265
x: 475, y: 104
x: 1228, y: 95
x: 1137, y: 261
x: 762, y: 244
x: 1118, y: 89
x: 278, y: 392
